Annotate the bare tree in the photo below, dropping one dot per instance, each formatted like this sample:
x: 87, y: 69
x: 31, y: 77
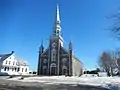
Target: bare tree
x: 116, y: 25
x: 107, y: 62
x: 117, y: 56
x: 115, y: 29
x: 118, y: 65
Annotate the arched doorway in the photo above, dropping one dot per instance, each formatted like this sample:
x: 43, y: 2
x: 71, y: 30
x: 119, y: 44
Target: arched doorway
x: 64, y: 70
x: 53, y: 69
x: 44, y: 70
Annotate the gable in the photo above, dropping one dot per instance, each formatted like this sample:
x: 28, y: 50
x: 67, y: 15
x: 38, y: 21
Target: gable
x: 11, y: 58
x: 4, y: 56
x: 46, y: 52
x: 77, y: 60
x: 63, y: 51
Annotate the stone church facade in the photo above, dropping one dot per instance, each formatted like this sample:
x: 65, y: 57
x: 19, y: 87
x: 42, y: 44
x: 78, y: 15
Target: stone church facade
x: 57, y: 60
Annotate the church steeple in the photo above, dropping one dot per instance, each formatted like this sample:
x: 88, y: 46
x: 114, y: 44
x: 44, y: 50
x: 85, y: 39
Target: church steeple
x: 70, y: 45
x: 57, y: 27
x: 41, y: 48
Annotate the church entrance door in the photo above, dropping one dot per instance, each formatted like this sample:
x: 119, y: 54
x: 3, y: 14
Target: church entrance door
x: 53, y: 70
x: 64, y: 72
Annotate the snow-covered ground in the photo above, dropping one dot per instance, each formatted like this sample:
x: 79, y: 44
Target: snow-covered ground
x: 112, y: 82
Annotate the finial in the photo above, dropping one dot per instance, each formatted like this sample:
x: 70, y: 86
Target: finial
x: 41, y: 48
x: 41, y: 45
x: 70, y: 45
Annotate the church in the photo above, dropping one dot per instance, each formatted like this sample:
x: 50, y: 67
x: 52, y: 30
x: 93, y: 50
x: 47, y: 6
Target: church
x: 57, y: 60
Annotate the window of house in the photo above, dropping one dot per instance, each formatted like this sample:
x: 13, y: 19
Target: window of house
x: 6, y: 62
x: 5, y: 68
x: 13, y: 63
x: 22, y: 69
x: 16, y: 63
x: 26, y: 70
x: 9, y: 62
x: 12, y: 69
x: 18, y: 69
x: 15, y: 69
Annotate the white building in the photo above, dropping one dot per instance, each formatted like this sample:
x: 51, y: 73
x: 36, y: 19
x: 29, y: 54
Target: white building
x: 11, y: 65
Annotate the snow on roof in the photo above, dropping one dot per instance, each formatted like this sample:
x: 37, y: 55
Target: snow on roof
x: 22, y: 62
x: 5, y: 56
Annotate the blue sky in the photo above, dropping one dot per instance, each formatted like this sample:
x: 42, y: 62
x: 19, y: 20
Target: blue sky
x: 24, y: 23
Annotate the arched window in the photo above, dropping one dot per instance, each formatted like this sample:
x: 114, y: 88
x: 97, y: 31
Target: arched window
x: 64, y: 67
x: 53, y: 55
x: 54, y: 45
x: 53, y: 65
x: 54, y: 51
x: 45, y: 61
x: 64, y: 60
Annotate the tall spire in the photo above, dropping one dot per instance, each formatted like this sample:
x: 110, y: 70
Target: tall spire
x: 41, y: 48
x: 58, y: 14
x: 57, y: 27
x: 70, y: 45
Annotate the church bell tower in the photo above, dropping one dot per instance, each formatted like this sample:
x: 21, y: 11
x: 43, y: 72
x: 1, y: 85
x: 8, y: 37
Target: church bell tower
x: 57, y: 27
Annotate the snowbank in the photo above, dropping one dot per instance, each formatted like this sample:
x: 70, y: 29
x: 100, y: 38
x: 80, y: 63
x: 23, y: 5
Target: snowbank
x: 109, y: 82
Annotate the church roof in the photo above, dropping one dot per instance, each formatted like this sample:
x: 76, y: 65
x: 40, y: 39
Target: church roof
x: 5, y: 56
x: 22, y: 62
x: 77, y: 59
